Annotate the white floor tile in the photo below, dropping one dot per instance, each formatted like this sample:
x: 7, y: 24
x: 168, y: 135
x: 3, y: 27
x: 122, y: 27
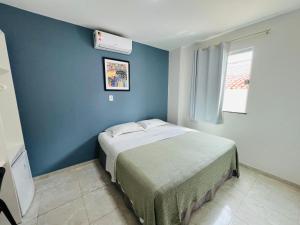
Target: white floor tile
x: 72, y: 213
x: 225, y: 197
x: 83, y: 195
x: 256, y: 213
x: 30, y: 222
x: 237, y: 221
x: 54, y: 179
x: 4, y: 221
x: 212, y: 214
x: 268, y: 197
x: 52, y: 198
x: 115, y: 217
x: 101, y: 202
x: 91, y: 177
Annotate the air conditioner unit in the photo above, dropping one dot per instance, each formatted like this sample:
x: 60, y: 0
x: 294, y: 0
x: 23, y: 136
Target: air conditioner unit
x: 113, y: 43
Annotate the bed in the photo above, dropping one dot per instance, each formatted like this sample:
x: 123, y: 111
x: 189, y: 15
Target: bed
x: 168, y: 171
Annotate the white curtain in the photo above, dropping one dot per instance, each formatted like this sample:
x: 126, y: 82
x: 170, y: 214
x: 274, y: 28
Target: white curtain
x: 208, y: 80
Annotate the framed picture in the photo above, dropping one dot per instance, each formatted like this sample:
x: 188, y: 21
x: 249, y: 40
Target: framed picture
x: 116, y: 75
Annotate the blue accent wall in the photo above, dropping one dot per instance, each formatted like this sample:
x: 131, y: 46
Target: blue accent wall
x: 58, y: 80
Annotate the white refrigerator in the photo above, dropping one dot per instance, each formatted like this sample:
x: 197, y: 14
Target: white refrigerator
x: 23, y: 180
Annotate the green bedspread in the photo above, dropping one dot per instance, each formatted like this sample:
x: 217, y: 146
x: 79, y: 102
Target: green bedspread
x: 162, y: 179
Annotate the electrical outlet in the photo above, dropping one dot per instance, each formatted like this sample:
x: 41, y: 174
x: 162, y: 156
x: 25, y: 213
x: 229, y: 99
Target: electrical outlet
x: 111, y: 98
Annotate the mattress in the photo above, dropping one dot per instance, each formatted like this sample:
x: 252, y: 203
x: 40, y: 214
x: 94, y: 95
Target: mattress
x: 113, y: 146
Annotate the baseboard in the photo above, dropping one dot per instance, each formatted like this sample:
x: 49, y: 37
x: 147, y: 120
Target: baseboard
x: 272, y: 176
x: 69, y: 168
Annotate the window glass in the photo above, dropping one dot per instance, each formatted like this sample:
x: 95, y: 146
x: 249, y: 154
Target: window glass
x: 237, y: 81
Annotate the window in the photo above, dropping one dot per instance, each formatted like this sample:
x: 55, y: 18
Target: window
x: 237, y: 81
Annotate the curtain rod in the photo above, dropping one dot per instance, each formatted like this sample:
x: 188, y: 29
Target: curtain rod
x: 266, y: 32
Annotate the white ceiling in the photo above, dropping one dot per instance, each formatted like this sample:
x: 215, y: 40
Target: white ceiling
x: 165, y: 24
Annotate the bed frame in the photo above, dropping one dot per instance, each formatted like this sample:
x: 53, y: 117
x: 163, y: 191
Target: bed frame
x: 186, y: 215
x: 102, y: 158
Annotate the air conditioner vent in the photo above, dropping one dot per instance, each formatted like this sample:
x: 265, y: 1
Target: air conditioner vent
x: 113, y: 43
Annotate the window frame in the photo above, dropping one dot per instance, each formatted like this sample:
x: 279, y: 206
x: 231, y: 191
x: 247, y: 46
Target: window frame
x: 237, y: 51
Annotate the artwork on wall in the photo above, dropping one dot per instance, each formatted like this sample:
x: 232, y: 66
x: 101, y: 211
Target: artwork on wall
x: 116, y: 74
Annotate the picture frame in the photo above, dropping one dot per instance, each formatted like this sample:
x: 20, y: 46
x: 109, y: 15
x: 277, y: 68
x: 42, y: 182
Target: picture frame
x: 116, y: 74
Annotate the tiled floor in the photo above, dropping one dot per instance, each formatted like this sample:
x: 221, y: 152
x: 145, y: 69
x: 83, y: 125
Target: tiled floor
x: 83, y: 195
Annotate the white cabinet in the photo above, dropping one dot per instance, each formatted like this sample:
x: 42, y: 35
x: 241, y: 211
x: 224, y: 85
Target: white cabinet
x: 17, y: 188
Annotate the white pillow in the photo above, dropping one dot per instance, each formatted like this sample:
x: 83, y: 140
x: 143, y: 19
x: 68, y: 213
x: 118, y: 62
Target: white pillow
x: 124, y: 128
x: 147, y: 124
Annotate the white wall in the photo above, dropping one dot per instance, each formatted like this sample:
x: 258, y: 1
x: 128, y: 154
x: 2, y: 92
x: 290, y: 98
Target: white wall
x: 268, y: 136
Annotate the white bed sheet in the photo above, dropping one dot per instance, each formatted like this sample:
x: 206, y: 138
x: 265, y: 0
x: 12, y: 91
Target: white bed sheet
x: 114, y: 146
